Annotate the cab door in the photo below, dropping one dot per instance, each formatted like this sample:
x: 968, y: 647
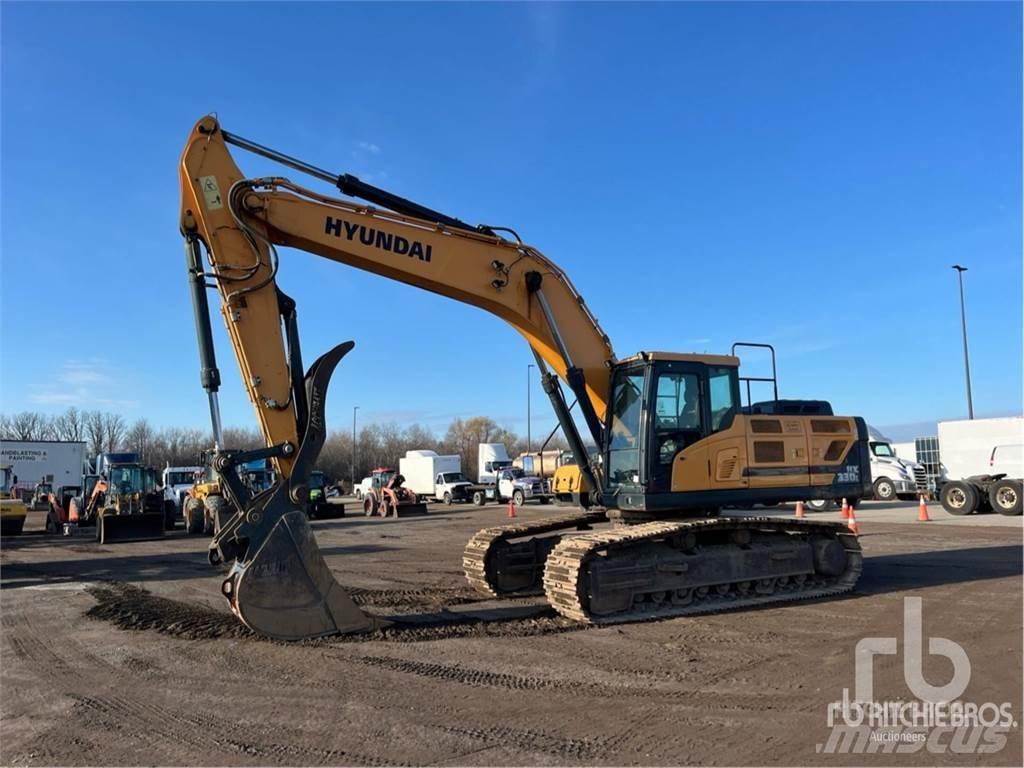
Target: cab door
x: 678, y: 420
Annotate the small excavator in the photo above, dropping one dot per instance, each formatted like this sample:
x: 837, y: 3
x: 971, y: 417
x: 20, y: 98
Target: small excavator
x: 675, y: 442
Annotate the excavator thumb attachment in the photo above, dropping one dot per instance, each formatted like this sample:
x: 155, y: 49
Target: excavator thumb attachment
x: 286, y: 590
x: 112, y: 529
x: 280, y: 585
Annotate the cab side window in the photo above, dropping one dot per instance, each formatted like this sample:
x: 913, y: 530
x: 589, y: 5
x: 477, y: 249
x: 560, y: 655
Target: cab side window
x: 723, y: 404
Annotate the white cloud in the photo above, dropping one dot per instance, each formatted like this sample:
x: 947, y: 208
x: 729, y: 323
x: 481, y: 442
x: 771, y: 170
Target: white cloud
x: 369, y: 146
x: 83, y: 384
x: 79, y: 372
x: 75, y: 397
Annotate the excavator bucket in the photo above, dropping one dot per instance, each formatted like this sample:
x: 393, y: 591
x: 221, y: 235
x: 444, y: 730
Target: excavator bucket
x: 286, y: 591
x: 112, y: 529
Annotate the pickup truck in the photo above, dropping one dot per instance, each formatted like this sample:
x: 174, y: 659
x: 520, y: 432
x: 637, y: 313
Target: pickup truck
x: 362, y: 487
x: 514, y: 485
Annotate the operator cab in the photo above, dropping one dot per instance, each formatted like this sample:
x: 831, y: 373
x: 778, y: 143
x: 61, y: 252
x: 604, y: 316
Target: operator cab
x: 662, y: 403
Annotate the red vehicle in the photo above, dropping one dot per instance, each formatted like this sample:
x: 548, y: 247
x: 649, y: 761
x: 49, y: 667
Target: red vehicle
x: 388, y: 498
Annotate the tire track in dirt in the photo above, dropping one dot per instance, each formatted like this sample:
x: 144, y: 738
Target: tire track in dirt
x: 426, y: 596
x: 476, y: 678
x: 208, y: 734
x: 530, y: 741
x: 153, y: 728
x: 471, y: 677
x: 135, y: 718
x: 138, y: 721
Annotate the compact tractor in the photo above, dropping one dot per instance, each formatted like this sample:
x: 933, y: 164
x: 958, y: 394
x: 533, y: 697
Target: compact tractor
x: 387, y: 498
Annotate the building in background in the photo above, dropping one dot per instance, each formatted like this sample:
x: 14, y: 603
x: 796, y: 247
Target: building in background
x: 44, y: 461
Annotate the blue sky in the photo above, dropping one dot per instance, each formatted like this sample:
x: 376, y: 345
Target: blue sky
x: 799, y: 174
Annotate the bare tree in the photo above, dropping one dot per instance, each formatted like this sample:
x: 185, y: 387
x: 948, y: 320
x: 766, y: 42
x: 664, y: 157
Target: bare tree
x: 29, y: 425
x: 140, y: 439
x: 104, y: 432
x: 464, y: 435
x: 94, y: 432
x: 113, y: 431
x: 336, y: 456
x: 242, y: 438
x: 70, y: 425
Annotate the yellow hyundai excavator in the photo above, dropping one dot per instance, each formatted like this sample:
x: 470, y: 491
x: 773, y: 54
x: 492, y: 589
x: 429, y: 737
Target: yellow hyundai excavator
x: 675, y: 442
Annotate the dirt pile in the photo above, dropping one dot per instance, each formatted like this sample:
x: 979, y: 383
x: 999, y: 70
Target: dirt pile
x: 131, y: 608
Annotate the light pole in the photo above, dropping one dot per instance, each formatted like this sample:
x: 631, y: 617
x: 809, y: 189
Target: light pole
x: 963, y: 325
x: 354, y: 409
x: 529, y: 441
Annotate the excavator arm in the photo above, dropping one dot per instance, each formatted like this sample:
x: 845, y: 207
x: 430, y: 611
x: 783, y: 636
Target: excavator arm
x: 279, y: 584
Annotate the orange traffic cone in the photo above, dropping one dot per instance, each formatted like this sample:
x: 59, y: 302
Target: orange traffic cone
x: 844, y: 511
x: 922, y: 512
x: 852, y: 524
x: 799, y: 509
x: 511, y: 508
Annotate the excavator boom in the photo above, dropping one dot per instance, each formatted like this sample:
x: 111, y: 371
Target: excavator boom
x: 241, y: 222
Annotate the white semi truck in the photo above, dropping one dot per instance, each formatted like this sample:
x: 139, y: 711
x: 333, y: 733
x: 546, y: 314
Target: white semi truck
x: 434, y: 477
x: 498, y: 480
x: 891, y: 476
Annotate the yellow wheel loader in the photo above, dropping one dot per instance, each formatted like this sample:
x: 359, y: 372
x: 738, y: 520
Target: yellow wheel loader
x: 205, y: 507
x: 676, y: 441
x: 126, y: 504
x: 13, y: 510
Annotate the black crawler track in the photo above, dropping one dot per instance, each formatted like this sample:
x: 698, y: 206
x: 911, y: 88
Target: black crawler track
x: 569, y: 589
x: 478, y: 562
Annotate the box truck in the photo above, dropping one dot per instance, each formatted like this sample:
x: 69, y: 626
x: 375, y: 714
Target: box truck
x: 429, y: 476
x: 984, y: 465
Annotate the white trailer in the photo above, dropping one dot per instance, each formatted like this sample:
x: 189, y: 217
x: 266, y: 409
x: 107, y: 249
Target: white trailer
x: 435, y: 477
x: 56, y: 462
x: 983, y: 467
x: 966, y: 445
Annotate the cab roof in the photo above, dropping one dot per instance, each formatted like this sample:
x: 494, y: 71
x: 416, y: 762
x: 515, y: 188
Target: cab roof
x: 729, y: 361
